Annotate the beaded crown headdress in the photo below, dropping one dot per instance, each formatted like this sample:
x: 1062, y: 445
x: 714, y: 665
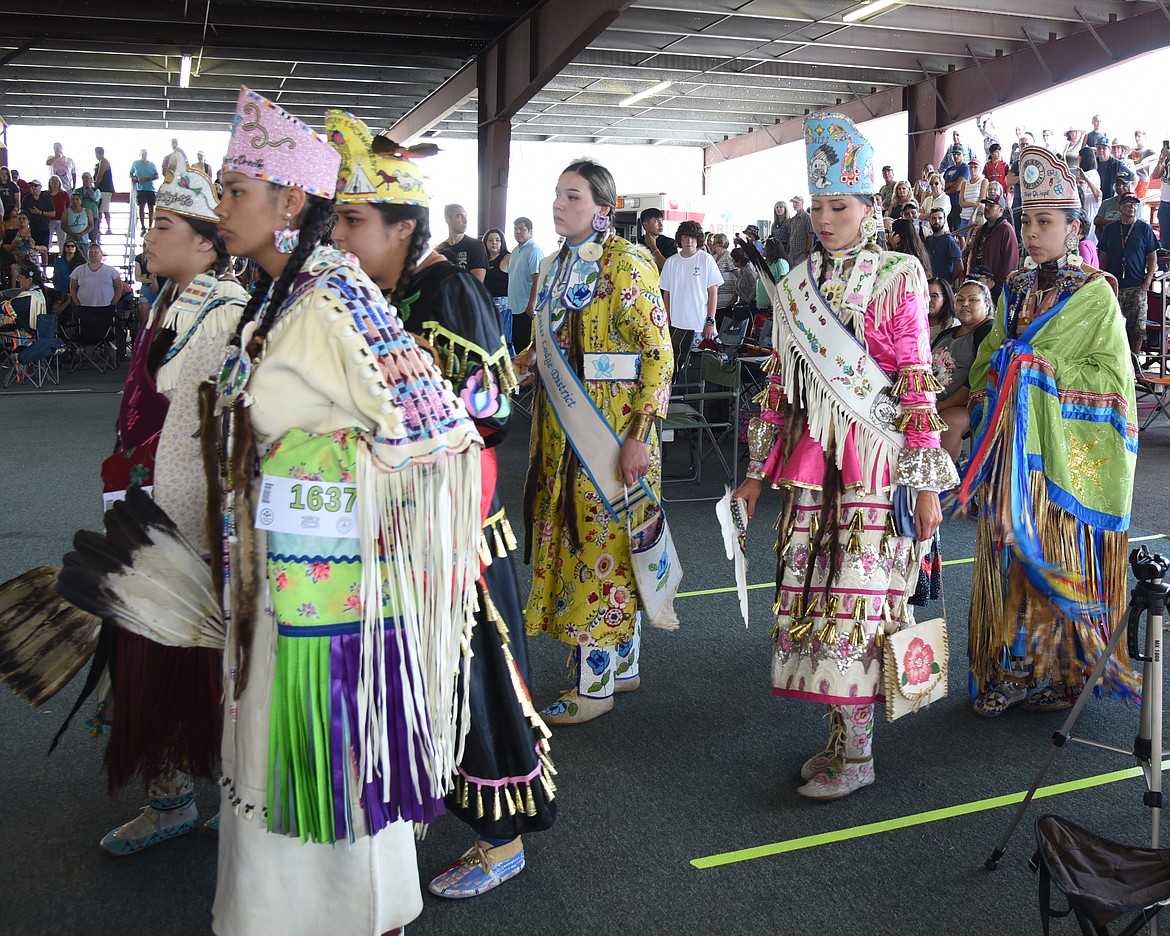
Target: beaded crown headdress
x: 840, y: 158
x: 271, y: 144
x: 187, y: 192
x: 1045, y: 180
x: 375, y: 169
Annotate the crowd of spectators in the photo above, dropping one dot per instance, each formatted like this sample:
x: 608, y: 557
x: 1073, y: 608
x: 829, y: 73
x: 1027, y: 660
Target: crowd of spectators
x: 50, y: 244
x: 71, y: 205
x: 961, y: 220
x: 968, y: 211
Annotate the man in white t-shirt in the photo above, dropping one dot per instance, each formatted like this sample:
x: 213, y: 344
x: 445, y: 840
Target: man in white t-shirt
x: 690, y: 281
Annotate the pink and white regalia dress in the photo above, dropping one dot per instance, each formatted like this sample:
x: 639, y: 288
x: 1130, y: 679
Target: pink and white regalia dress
x: 851, y: 321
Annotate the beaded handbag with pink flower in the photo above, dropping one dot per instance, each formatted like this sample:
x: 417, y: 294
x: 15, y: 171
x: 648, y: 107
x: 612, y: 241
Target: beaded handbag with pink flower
x: 915, y: 667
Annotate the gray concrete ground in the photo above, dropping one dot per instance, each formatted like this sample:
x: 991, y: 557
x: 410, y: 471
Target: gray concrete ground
x: 700, y: 761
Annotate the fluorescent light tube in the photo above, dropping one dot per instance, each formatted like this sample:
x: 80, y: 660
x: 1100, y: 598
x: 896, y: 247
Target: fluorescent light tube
x: 642, y: 95
x: 867, y: 10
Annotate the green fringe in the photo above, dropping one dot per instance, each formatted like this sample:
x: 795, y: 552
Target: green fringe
x: 299, y: 759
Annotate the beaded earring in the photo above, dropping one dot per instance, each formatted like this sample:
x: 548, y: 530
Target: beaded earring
x: 869, y: 228
x: 600, y: 222
x: 1072, y: 249
x: 286, y: 241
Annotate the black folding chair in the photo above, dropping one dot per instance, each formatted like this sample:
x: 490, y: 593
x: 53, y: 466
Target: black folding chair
x: 701, y: 418
x: 681, y: 342
x: 43, y: 355
x: 94, y: 339
x: 1102, y: 880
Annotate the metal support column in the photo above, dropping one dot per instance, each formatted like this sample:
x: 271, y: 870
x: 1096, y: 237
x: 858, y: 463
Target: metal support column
x: 494, y: 149
x: 925, y: 140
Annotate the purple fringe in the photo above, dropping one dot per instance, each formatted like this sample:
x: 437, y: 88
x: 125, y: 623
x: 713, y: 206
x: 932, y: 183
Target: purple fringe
x: 382, y: 805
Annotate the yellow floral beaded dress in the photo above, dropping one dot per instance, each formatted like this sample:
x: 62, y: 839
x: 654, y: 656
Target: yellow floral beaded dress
x: 583, y: 590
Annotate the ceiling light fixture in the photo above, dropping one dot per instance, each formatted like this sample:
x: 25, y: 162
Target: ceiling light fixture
x: 872, y: 8
x: 185, y: 72
x: 642, y: 95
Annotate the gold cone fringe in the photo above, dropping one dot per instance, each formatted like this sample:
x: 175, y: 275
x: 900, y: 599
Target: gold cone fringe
x: 518, y: 686
x: 917, y: 377
x: 857, y: 635
x: 921, y: 417
x: 502, y: 539
x: 856, y: 528
x: 886, y: 546
x: 454, y: 365
x: 516, y: 797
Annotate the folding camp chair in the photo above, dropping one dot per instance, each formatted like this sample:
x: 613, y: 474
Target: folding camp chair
x: 43, y: 355
x: 524, y: 400
x: 732, y: 331
x: 1102, y: 880
x: 1151, y: 387
x: 15, y: 336
x: 94, y: 340
x: 694, y: 416
x: 13, y: 340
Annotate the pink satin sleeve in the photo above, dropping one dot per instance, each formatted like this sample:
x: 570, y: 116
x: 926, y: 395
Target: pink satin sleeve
x: 904, y: 342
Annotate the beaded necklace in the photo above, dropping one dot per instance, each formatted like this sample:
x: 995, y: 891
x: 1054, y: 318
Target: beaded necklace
x: 1027, y: 301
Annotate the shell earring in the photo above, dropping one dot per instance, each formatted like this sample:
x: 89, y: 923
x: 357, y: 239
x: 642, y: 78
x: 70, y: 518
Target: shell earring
x: 286, y: 241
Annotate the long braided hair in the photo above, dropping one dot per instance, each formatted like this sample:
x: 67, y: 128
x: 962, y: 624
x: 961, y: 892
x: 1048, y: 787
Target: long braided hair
x: 419, y: 241
x: 315, y: 221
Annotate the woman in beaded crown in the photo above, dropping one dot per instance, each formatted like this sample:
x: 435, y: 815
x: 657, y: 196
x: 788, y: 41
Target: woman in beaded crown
x: 1054, y: 443
x: 505, y: 787
x: 351, y: 564
x: 844, y: 569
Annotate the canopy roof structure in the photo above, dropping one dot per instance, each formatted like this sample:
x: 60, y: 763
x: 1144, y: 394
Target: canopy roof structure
x: 119, y: 62
x: 716, y: 68
x: 735, y: 66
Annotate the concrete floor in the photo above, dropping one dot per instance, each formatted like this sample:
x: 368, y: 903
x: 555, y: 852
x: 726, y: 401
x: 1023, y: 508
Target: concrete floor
x: 699, y: 762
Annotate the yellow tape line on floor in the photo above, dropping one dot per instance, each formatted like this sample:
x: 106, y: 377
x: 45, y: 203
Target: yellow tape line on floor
x: 904, y: 822
x: 946, y: 562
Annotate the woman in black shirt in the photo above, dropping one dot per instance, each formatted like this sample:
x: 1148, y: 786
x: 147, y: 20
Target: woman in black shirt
x: 496, y: 280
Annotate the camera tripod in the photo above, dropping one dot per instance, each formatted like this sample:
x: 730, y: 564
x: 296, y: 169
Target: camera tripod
x: 1148, y: 599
